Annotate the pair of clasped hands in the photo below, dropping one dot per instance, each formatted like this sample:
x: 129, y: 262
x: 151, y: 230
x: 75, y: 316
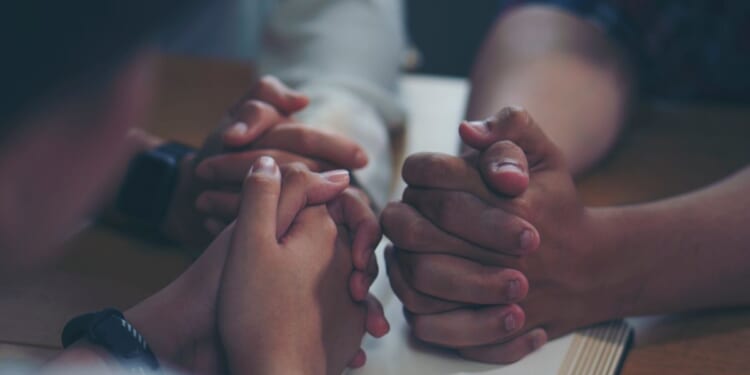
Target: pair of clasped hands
x: 283, y: 287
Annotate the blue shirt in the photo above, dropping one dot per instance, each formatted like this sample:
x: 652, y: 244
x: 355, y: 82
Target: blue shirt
x: 683, y: 50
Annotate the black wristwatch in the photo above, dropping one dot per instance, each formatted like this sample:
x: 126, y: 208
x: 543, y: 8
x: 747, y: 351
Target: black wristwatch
x: 150, y: 183
x: 109, y: 330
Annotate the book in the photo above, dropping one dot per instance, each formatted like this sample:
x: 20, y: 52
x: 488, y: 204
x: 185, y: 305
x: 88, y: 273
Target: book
x: 596, y: 350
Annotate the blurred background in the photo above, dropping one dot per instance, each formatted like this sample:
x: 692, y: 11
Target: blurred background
x: 447, y: 34
x: 444, y: 35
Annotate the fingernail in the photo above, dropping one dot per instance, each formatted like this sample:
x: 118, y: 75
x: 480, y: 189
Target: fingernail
x: 337, y: 176
x: 510, y: 323
x: 360, y: 157
x: 514, y: 290
x: 204, y: 171
x: 538, y: 338
x: 507, y: 165
x: 480, y: 126
x: 264, y: 165
x: 527, y: 239
x: 237, y: 130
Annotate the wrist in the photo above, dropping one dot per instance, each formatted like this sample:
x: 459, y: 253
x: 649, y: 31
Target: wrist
x: 622, y: 266
x: 155, y: 321
x: 271, y: 364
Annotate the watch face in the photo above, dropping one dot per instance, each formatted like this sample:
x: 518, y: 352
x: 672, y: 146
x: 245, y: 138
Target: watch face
x: 148, y: 187
x: 119, y: 337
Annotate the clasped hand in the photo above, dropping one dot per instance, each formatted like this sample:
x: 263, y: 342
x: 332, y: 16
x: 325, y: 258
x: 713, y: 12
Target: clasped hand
x: 283, y: 286
x: 493, y: 251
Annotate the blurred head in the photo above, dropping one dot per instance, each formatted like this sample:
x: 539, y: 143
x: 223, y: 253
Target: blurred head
x: 76, y: 77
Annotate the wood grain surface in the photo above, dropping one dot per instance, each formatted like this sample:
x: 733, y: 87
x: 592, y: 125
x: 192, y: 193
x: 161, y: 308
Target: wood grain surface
x: 666, y: 150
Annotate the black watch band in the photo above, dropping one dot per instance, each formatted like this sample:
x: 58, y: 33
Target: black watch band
x: 109, y: 329
x: 150, y: 183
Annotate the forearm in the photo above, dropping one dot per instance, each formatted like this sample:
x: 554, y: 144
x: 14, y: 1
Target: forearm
x: 689, y: 252
x: 317, y: 46
x: 565, y: 71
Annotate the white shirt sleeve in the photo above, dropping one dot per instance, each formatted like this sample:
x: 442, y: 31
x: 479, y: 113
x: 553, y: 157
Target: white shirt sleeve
x: 346, y: 55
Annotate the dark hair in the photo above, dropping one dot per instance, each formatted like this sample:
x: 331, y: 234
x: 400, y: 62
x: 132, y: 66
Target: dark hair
x: 48, y: 45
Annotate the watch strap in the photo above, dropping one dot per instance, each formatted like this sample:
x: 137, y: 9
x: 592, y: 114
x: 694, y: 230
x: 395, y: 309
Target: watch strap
x: 150, y: 184
x: 109, y: 330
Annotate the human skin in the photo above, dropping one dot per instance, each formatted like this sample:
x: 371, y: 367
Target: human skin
x: 581, y: 266
x: 561, y: 68
x: 309, y: 308
x: 86, y: 135
x: 261, y: 123
x: 215, y: 310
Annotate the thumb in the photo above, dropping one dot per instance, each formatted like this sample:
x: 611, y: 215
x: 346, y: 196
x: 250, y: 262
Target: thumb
x: 256, y: 219
x: 302, y: 188
x: 514, y: 125
x: 504, y: 168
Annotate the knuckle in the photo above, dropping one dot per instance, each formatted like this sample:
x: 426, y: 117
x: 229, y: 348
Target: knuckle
x: 447, y: 208
x: 511, y: 226
x: 357, y: 195
x: 522, y: 207
x: 306, y: 139
x: 501, y: 226
x: 419, y: 327
x: 387, y: 218
x: 490, y: 284
x: 266, y: 80
x: 298, y: 167
x: 487, y: 285
x: 259, y: 182
x: 409, y: 299
x: 248, y: 111
x: 436, y: 162
x: 419, y: 274
x: 411, y: 161
x: 503, y: 148
x: 417, y: 167
x: 511, y: 119
x: 295, y: 173
x: 252, y: 106
x: 416, y: 235
x: 390, y: 221
x: 513, y: 115
x: 281, y: 157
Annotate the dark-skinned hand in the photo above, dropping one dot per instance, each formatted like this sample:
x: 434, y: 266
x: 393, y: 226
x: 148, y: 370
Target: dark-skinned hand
x: 493, y: 251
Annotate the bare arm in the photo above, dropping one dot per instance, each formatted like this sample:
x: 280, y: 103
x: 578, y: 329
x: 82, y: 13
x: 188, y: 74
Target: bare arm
x: 561, y: 68
x: 684, y: 253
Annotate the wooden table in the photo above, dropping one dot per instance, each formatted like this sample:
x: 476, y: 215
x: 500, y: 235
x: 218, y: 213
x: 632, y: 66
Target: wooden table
x: 667, y: 150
